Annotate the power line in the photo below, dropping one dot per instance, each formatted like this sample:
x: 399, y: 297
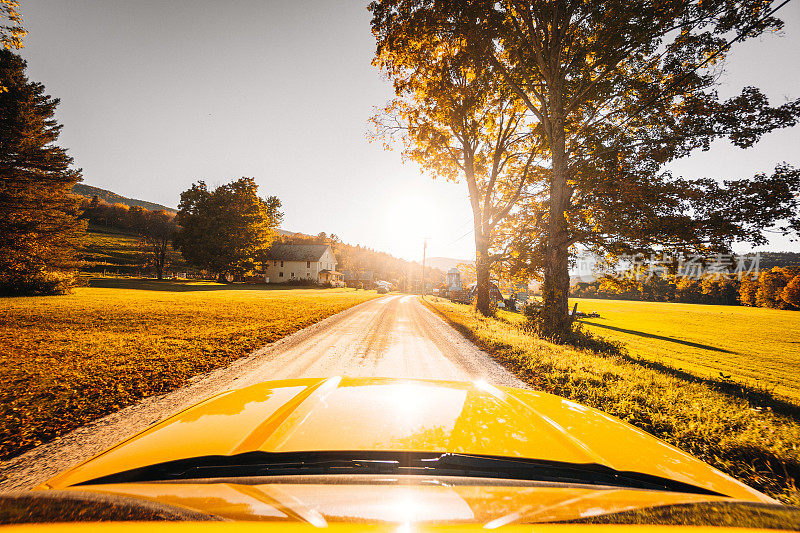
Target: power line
x: 469, y: 222
x: 459, y: 238
x: 460, y: 226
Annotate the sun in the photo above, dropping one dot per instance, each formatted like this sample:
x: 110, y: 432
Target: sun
x: 410, y: 218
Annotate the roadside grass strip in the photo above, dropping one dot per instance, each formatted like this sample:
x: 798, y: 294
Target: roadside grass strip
x: 750, y: 442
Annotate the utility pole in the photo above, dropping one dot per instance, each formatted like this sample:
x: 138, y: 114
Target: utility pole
x: 424, y: 250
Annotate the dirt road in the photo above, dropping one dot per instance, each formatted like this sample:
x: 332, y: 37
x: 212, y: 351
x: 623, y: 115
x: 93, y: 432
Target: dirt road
x: 394, y: 336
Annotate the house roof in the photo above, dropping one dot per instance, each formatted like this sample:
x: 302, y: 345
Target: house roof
x: 297, y: 252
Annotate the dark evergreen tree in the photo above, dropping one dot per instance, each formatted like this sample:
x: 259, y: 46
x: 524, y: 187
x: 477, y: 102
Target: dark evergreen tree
x: 38, y: 215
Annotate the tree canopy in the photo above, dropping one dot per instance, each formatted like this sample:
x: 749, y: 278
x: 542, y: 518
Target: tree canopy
x: 614, y: 91
x: 226, y: 230
x: 39, y: 217
x: 11, y: 30
x: 458, y: 124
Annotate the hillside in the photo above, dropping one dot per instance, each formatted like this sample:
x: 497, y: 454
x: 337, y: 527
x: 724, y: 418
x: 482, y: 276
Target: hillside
x: 88, y: 191
x: 778, y: 259
x: 118, y: 251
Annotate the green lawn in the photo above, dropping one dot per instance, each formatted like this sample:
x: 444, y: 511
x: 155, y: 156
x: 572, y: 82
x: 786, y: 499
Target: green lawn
x: 67, y: 360
x: 754, y: 346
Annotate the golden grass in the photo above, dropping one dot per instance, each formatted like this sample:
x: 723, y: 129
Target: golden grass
x: 748, y: 441
x: 67, y: 360
x: 750, y: 345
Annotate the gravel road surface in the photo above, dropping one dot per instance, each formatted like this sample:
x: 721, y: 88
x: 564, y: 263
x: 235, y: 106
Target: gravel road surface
x: 393, y: 336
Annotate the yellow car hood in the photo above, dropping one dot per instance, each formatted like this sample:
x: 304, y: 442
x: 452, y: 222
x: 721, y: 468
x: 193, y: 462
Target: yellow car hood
x: 372, y: 414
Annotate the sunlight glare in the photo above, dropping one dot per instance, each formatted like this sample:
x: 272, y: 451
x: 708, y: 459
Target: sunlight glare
x: 409, y: 218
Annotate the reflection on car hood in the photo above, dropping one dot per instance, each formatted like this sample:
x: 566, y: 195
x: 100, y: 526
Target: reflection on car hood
x: 371, y: 414
x: 418, y: 500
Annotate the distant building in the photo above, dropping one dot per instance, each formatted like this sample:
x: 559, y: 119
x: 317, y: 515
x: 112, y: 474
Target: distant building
x: 453, y: 279
x: 297, y: 262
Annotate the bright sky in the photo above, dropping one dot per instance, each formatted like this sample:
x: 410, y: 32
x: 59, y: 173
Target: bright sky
x: 156, y: 95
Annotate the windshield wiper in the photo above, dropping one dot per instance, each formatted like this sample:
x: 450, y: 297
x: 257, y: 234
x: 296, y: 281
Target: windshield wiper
x: 258, y: 464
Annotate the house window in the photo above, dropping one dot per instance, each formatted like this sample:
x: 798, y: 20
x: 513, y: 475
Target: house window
x: 275, y: 263
x: 308, y: 264
x: 281, y: 264
x: 280, y: 274
x: 292, y: 274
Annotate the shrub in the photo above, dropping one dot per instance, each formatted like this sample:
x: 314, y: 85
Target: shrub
x: 43, y: 284
x: 302, y: 282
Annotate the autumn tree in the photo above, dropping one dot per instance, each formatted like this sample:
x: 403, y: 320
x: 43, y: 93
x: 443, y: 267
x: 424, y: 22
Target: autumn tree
x: 771, y: 284
x: 658, y: 288
x: 791, y: 293
x: 156, y: 230
x: 11, y: 30
x: 720, y: 289
x: 617, y: 89
x: 226, y: 230
x: 459, y: 124
x: 39, y: 218
x: 747, y: 291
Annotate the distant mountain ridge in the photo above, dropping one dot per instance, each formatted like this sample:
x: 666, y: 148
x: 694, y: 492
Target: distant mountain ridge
x: 89, y: 191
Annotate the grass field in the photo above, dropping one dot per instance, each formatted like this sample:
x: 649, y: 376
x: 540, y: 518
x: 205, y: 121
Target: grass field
x: 745, y: 439
x: 67, y: 360
x: 751, y: 345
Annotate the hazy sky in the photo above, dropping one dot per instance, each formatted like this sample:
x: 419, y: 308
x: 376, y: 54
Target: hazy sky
x: 158, y: 94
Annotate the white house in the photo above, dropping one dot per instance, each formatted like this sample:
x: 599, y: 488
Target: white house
x: 294, y: 262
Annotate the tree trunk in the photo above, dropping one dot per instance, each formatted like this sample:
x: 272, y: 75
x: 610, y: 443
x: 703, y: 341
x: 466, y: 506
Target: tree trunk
x: 483, y: 286
x: 161, y: 259
x: 555, y: 288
